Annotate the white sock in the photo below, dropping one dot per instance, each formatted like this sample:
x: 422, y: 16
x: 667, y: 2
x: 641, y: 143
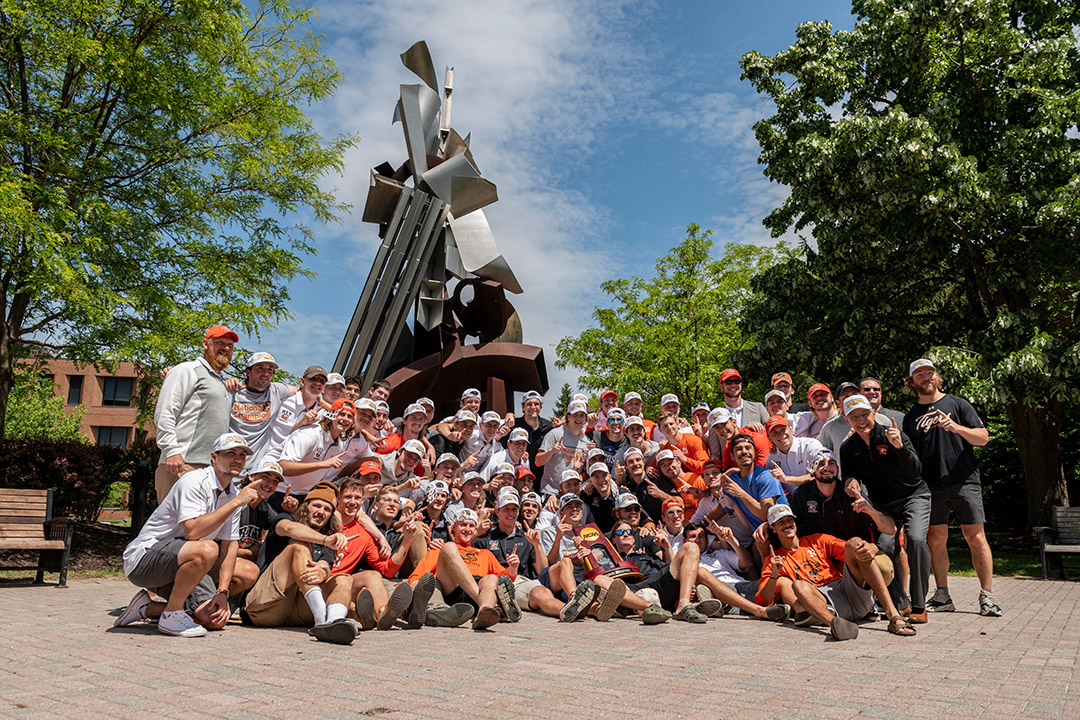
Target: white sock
x: 336, y: 611
x: 317, y: 604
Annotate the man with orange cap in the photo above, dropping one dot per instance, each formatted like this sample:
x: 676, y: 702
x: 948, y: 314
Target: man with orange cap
x: 193, y: 410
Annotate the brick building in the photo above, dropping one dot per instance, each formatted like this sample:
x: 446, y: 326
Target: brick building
x: 111, y: 400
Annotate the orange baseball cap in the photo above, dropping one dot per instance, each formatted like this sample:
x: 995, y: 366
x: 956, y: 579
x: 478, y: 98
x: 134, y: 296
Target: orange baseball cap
x: 775, y: 421
x: 221, y: 331
x: 343, y: 404
x: 672, y: 502
x: 369, y: 467
x: 781, y: 376
x: 817, y: 387
x: 729, y: 374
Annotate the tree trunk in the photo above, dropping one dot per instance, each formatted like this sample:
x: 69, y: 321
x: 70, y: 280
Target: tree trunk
x: 7, y: 375
x: 1038, y: 439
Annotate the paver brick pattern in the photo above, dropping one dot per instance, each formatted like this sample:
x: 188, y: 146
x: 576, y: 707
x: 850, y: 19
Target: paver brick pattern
x: 61, y: 658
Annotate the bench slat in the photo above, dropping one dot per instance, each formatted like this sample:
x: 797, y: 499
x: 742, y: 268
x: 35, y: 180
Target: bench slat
x: 24, y: 510
x: 21, y: 493
x: 20, y: 520
x: 1062, y: 548
x: 28, y: 544
x: 24, y: 502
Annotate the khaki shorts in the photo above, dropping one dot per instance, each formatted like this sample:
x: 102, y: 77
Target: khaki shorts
x: 276, y: 600
x: 847, y: 598
x: 164, y: 480
x: 522, y: 587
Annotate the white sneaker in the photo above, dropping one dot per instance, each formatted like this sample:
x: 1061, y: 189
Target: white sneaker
x: 136, y: 610
x: 181, y: 624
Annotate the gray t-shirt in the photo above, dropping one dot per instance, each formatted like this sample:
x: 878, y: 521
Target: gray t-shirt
x: 576, y: 447
x: 252, y: 413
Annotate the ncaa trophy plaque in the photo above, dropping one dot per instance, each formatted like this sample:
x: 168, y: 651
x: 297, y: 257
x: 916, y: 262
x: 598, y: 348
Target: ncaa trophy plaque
x: 603, y: 558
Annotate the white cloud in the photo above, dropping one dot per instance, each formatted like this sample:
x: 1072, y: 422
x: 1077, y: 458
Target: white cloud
x: 535, y: 82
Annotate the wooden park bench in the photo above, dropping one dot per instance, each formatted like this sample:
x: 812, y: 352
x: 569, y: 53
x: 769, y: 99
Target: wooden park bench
x: 26, y: 523
x: 1063, y: 537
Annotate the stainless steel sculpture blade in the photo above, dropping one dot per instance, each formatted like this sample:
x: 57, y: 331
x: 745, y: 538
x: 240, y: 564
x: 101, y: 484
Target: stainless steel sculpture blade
x: 419, y: 109
x: 418, y: 60
x: 476, y: 246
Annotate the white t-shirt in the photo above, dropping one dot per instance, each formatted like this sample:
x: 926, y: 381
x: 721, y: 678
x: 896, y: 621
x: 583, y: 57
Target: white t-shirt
x: 306, y: 445
x: 794, y: 461
x: 195, y: 494
x: 291, y: 410
x: 723, y: 564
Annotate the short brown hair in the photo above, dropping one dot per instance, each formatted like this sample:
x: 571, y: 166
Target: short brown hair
x: 350, y: 483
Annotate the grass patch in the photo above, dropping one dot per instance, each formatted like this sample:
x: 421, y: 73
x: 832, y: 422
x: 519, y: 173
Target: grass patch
x: 1014, y: 554
x: 15, y: 575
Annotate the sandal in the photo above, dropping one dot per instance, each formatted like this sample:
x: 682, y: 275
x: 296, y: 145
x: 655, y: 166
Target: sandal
x: 900, y: 626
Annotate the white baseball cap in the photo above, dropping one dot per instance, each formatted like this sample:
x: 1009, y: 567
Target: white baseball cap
x: 470, y: 393
x: 435, y: 487
x: 569, y: 475
x: 616, y: 412
x: 595, y: 452
x: 507, y: 496
x: 228, y: 441
x: 413, y: 446
x: 366, y: 404
x: 269, y: 466
x: 719, y: 416
x: 669, y: 398
x: 599, y: 467
x: 579, y: 397
x: 491, y: 416
x: 519, y: 435
x: 447, y: 457
x: 775, y: 393
x: 415, y: 408
x: 634, y: 420
x: 626, y: 500
x: 465, y: 415
x: 382, y: 405
x: 577, y: 407
x: 632, y: 451
x: 920, y: 363
x: 776, y: 512
x: 505, y: 469
x: 531, y: 395
x: 856, y: 402
x: 465, y: 514
x: 470, y: 476
x: 261, y: 357
x: 567, y: 499
x: 699, y: 406
x: 426, y: 402
x: 631, y: 396
x: 335, y: 379
x: 664, y: 455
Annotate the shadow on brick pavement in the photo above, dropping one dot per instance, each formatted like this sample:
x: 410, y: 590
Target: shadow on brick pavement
x: 61, y: 658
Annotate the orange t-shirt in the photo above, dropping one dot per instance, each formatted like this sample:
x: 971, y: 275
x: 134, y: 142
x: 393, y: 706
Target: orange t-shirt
x: 390, y: 444
x: 480, y: 561
x: 361, y: 547
x: 819, y: 560
x: 690, y: 502
x: 694, y: 450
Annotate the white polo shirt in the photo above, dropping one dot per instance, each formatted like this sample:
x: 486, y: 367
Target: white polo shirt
x: 307, y: 445
x: 195, y: 494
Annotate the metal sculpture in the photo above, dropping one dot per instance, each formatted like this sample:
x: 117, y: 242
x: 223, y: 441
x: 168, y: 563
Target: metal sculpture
x: 434, y: 232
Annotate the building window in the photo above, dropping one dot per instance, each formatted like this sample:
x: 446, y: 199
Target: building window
x: 116, y: 392
x: 74, y: 389
x: 115, y: 436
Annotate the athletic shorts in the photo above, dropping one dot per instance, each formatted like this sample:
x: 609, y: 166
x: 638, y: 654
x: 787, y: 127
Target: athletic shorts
x: 157, y: 570
x: 847, y: 598
x: 522, y: 587
x: 666, y: 586
x: 965, y: 500
x: 276, y: 600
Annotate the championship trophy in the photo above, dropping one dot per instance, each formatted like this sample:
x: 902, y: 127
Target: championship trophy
x: 603, y: 558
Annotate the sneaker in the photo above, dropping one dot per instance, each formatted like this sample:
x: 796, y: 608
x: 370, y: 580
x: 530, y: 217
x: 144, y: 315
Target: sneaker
x: 579, y: 602
x: 702, y: 592
x: 485, y: 618
x: 612, y: 600
x: 691, y: 615
x: 802, y: 619
x: 710, y: 608
x: 365, y: 610
x: 449, y: 616
x: 779, y: 612
x: 941, y: 602
x: 507, y: 596
x: 136, y: 610
x: 421, y: 595
x: 844, y: 629
x: 398, y: 603
x: 339, y: 632
x: 654, y: 615
x: 988, y: 604
x: 180, y: 624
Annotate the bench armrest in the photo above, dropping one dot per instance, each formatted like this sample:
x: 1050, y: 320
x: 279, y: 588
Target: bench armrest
x: 59, y: 528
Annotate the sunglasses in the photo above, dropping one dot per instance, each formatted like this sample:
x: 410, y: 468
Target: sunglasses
x: 733, y: 382
x: 615, y: 421
x: 624, y: 532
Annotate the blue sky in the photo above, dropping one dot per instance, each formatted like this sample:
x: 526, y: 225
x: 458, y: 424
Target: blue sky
x: 608, y: 128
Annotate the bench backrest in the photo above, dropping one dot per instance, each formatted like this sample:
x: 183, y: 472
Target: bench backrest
x: 1067, y: 524
x: 23, y: 511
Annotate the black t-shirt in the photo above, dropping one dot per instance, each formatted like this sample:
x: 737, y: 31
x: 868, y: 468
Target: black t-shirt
x: 814, y: 513
x: 536, y: 436
x: 646, y: 558
x: 610, y: 447
x: 799, y: 407
x: 888, y: 474
x: 651, y: 506
x: 601, y: 508
x: 275, y: 544
x: 392, y: 535
x: 444, y: 445
x: 947, y: 458
x: 502, y: 546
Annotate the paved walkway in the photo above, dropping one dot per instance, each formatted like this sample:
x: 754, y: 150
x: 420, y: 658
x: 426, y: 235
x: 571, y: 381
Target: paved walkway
x: 60, y: 657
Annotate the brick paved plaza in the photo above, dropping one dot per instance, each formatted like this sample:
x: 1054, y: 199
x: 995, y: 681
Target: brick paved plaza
x: 62, y: 659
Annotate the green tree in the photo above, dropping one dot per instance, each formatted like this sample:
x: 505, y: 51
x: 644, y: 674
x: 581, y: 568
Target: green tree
x: 563, y: 401
x: 152, y: 153
x: 36, y: 412
x: 932, y: 153
x: 674, y: 332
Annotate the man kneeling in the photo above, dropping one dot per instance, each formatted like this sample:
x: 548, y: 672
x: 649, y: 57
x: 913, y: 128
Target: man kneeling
x: 802, y: 572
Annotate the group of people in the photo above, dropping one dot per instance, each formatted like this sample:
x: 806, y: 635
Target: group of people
x: 314, y: 506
